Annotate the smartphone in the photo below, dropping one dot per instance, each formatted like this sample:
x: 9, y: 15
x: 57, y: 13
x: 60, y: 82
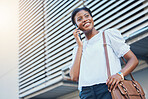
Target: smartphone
x: 79, y: 33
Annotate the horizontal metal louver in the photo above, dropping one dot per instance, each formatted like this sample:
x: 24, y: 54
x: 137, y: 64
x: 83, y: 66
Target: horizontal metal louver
x: 127, y: 16
x: 46, y: 40
x: 31, y: 45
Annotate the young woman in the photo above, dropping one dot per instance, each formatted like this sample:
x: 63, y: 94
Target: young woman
x: 89, y: 63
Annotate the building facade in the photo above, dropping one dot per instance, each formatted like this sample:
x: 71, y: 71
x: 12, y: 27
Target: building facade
x: 46, y: 42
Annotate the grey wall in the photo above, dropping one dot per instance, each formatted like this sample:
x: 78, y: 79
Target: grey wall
x: 8, y: 49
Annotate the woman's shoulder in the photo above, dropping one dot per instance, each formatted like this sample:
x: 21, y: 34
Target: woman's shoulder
x: 110, y: 31
x: 113, y: 32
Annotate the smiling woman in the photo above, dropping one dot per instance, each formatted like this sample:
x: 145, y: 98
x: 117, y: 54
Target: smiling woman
x: 89, y: 64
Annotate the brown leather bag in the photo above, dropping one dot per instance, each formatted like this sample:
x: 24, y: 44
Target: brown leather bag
x: 126, y: 89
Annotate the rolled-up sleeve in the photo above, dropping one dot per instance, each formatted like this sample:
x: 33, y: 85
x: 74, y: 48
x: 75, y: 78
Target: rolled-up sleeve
x: 117, y: 42
x: 73, y: 57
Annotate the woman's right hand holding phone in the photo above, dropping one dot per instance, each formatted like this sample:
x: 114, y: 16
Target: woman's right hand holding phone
x: 76, y: 33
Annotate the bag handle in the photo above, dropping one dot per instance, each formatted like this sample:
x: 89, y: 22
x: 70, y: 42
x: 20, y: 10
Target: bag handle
x: 107, y: 59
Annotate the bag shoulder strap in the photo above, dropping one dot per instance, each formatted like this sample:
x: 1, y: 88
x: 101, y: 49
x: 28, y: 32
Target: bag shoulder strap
x: 106, y: 55
x: 107, y: 59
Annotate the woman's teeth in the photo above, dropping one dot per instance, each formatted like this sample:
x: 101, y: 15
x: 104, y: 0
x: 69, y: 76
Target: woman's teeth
x: 87, y: 24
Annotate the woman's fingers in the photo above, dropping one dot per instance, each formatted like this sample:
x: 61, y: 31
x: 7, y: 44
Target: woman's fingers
x: 107, y: 81
x: 113, y: 81
x: 77, y: 38
x: 113, y: 84
x: 76, y: 32
x: 110, y: 83
x: 116, y: 85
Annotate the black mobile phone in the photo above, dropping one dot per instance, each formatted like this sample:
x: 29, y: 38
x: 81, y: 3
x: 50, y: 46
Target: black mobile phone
x: 79, y: 33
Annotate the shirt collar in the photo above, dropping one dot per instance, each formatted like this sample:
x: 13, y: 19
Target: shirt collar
x: 94, y: 38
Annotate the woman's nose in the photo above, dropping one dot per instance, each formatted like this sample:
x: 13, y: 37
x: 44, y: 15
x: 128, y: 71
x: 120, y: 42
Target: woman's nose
x: 84, y: 19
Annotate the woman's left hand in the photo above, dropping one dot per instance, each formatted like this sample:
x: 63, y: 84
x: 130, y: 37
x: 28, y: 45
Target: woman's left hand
x: 113, y: 81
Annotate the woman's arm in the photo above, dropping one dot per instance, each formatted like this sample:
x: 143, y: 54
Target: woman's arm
x: 132, y: 62
x: 74, y: 71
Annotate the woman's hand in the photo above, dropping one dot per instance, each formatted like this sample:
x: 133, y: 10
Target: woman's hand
x: 113, y: 81
x: 132, y: 62
x: 76, y: 35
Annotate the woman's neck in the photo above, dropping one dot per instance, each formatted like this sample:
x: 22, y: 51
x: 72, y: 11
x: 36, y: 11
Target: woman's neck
x: 89, y: 34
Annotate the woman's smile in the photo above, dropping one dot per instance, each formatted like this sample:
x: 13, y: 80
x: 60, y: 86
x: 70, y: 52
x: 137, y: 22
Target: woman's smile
x: 87, y: 24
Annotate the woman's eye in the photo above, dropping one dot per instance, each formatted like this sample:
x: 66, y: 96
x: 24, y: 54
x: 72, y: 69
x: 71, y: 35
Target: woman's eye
x: 79, y: 19
x: 87, y: 15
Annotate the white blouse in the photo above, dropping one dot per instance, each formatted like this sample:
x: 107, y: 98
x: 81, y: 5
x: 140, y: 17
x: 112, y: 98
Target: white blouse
x: 93, y: 68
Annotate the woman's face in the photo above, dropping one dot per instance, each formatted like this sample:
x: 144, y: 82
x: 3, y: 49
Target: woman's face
x: 84, y: 20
